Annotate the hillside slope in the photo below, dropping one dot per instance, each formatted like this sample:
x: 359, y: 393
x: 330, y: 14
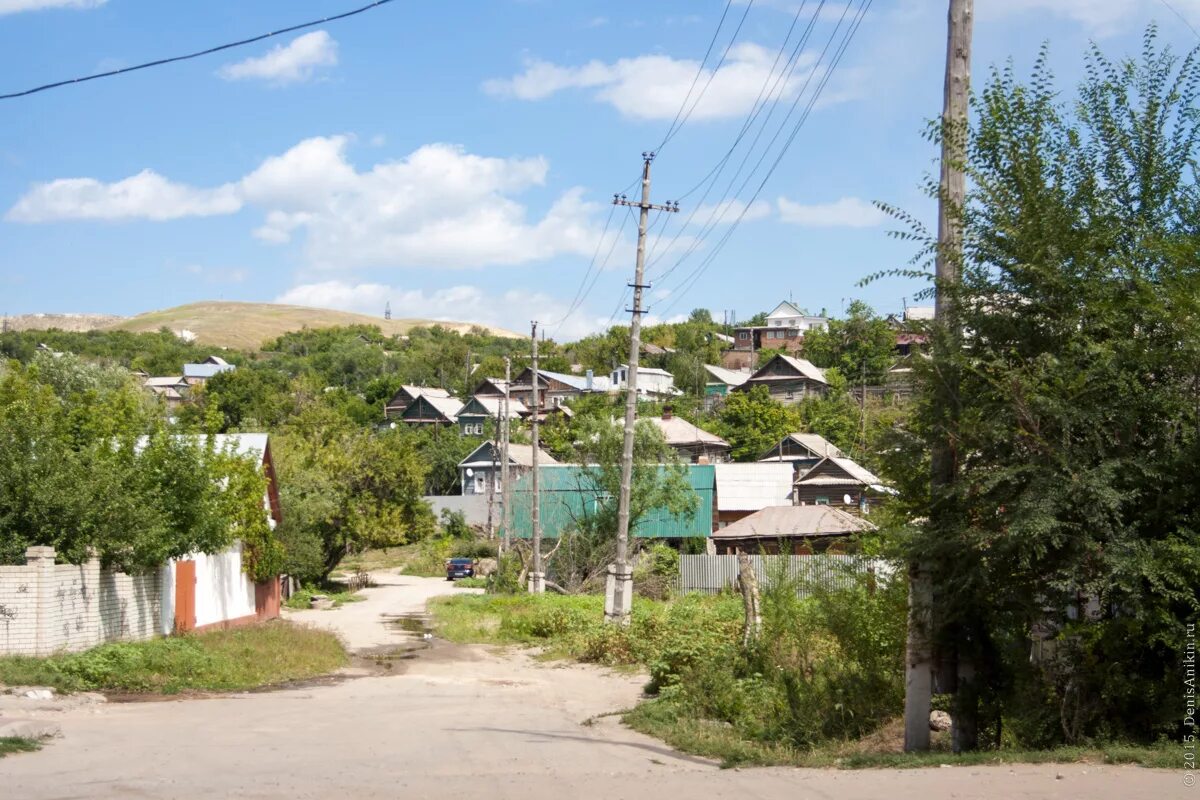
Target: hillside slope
x: 248, y: 325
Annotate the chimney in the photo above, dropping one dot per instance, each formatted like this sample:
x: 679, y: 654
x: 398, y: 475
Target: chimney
x: 589, y: 375
x: 668, y: 412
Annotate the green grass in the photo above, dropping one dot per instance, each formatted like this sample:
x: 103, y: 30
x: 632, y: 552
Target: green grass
x: 303, y: 598
x: 471, y: 583
x: 231, y: 660
x: 17, y: 744
x: 693, y: 639
x: 722, y: 743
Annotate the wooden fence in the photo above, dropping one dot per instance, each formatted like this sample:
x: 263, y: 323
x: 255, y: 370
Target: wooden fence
x: 714, y: 574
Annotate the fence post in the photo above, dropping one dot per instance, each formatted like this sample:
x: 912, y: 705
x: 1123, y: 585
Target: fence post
x: 41, y: 559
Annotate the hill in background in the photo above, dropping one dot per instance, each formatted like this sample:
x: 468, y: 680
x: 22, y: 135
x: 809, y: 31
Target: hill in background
x: 76, y: 323
x: 245, y: 326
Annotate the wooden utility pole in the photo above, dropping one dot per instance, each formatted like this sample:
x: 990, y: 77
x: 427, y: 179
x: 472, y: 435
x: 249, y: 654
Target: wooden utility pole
x: 919, y: 658
x: 537, y: 578
x: 618, y: 600
x: 506, y: 492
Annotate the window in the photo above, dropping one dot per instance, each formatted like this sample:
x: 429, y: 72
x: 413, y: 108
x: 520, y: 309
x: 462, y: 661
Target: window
x: 822, y: 501
x: 790, y: 395
x: 743, y: 334
x: 479, y: 483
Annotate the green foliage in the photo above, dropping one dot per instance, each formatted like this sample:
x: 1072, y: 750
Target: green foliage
x: 18, y: 744
x: 1072, y: 399
x: 753, y: 423
x: 160, y: 353
x: 88, y: 466
x: 353, y: 489
x: 232, y: 660
x: 335, y: 593
x: 861, y: 346
x: 454, y: 524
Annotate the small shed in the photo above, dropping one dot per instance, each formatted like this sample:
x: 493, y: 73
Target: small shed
x: 742, y: 489
x: 791, y: 530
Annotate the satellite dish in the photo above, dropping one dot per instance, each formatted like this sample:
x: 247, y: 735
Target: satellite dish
x: 847, y: 499
x: 471, y: 472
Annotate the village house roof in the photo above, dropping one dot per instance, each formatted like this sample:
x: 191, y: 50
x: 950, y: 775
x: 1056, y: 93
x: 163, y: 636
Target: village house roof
x: 520, y: 455
x: 164, y: 382
x: 205, y: 370
x: 785, y: 522
x: 446, y: 406
x: 729, y: 377
x: 424, y: 391
x: 816, y: 444
x: 804, y: 367
x: 490, y: 405
x: 679, y: 432
x: 751, y: 487
x: 853, y: 473
x: 580, y: 382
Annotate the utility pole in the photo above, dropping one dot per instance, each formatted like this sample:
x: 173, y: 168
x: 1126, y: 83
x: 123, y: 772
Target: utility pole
x: 506, y: 509
x: 537, y: 578
x: 618, y: 597
x: 467, y: 377
x: 491, y: 483
x: 919, y: 659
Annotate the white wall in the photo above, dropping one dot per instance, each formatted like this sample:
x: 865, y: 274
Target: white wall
x: 223, y: 591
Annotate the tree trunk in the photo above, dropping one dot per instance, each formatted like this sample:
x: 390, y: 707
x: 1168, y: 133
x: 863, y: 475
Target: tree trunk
x: 748, y: 583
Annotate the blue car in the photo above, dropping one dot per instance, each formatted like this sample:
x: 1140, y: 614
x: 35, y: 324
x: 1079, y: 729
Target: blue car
x: 460, y: 568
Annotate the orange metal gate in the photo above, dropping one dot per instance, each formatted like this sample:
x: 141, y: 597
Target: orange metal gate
x: 185, y: 596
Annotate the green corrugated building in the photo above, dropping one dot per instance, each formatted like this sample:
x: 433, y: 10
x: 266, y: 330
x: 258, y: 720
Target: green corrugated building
x: 567, y: 494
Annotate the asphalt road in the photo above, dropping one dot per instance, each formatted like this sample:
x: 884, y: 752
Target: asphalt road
x: 453, y: 721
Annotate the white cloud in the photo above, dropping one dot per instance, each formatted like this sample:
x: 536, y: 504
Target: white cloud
x: 17, y: 6
x: 293, y: 62
x: 848, y: 212
x: 146, y: 195
x: 653, y: 86
x: 508, y: 309
x: 438, y: 207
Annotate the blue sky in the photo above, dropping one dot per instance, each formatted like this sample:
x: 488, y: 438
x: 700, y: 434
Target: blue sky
x: 457, y: 159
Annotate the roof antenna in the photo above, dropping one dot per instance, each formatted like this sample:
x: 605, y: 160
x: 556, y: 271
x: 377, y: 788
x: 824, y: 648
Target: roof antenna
x: 387, y: 310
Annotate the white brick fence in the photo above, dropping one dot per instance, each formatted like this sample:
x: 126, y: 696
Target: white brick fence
x: 47, y: 607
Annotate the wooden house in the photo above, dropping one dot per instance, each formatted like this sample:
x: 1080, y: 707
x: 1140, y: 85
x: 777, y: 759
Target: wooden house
x: 554, y: 388
x: 405, y: 396
x: 802, y: 450
x: 426, y: 410
x: 694, y: 445
x: 788, y: 379
x: 838, y: 481
x: 483, y: 464
x: 480, y: 408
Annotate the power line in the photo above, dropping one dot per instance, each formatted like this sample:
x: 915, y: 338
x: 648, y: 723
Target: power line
x: 1182, y: 18
x: 760, y: 104
x: 721, y: 208
x: 695, y: 275
x: 198, y: 54
x: 696, y: 78
x: 674, y: 130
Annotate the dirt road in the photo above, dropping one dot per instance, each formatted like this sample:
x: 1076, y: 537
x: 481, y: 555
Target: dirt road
x: 460, y: 722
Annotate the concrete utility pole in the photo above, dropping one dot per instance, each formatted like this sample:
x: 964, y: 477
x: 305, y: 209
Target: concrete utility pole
x: 537, y: 578
x: 919, y: 659
x: 491, y: 485
x: 618, y: 597
x: 506, y: 498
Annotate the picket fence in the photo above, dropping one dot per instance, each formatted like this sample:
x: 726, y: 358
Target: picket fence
x: 711, y: 574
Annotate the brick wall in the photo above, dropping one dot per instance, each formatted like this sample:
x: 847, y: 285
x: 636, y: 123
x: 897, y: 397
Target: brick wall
x: 47, y: 607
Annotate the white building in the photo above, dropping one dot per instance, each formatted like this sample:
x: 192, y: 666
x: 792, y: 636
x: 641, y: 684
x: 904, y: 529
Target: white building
x: 787, y: 315
x: 652, y: 383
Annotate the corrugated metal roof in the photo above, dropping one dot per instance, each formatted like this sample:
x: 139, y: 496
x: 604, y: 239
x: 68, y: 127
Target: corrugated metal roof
x: 446, y: 406
x: 599, y: 382
x: 492, y: 404
x: 750, y: 487
x: 794, y: 521
x: 174, y: 380
x: 519, y: 454
x: 427, y: 391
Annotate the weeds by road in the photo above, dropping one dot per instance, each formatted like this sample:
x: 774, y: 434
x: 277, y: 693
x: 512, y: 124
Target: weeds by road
x: 17, y: 744
x: 238, y: 659
x: 821, y: 687
x: 303, y: 598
